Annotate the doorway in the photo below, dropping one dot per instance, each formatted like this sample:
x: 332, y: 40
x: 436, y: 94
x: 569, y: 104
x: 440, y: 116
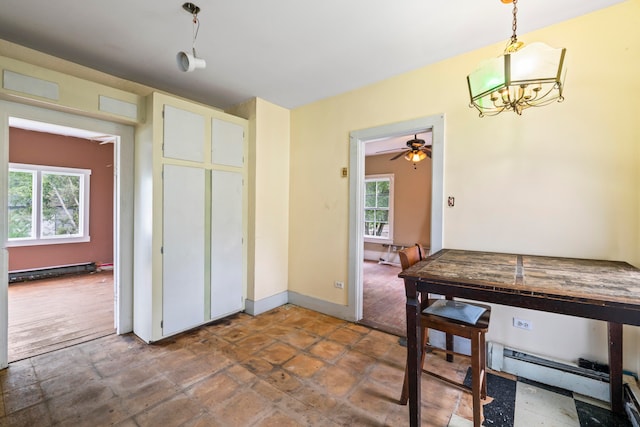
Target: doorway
x: 122, y: 137
x: 397, y: 214
x: 358, y: 141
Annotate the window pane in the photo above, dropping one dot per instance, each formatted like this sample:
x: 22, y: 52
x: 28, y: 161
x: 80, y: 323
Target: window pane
x: 20, y: 204
x: 377, y: 200
x: 369, y: 215
x: 382, y: 216
x: 369, y: 229
x: 370, y: 201
x: 60, y: 205
x: 370, y: 187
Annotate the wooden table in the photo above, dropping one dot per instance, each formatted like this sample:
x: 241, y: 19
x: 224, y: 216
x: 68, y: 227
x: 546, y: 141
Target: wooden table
x: 592, y: 289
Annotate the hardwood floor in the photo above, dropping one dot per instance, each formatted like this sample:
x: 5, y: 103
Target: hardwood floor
x: 50, y: 314
x: 383, y: 305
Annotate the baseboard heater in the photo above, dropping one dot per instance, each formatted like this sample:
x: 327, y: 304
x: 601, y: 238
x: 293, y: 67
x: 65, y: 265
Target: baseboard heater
x: 45, y: 273
x: 578, y: 379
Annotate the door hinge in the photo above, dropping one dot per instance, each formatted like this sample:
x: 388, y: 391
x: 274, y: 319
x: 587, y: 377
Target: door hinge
x: 161, y: 324
x: 162, y: 250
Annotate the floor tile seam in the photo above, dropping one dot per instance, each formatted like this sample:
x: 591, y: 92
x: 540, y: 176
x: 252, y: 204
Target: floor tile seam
x: 320, y: 339
x: 149, y: 408
x: 361, y: 414
x: 130, y: 392
x: 40, y: 400
x: 212, y: 410
x: 293, y: 395
x: 356, y: 384
x: 3, y: 389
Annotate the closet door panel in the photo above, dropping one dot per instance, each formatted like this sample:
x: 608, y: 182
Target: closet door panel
x: 227, y: 143
x: 184, y: 134
x: 183, y: 259
x: 226, y: 243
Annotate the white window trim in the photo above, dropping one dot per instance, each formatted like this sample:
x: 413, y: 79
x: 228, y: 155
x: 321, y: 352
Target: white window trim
x: 391, y: 178
x: 84, y: 218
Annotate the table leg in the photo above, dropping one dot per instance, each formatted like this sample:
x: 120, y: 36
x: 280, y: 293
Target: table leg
x: 615, y: 366
x: 414, y: 352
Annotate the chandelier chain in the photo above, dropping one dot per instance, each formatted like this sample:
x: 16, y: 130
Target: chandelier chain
x: 514, y: 26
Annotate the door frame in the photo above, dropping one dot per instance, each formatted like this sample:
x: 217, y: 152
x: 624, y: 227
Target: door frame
x: 357, y: 141
x: 122, y: 216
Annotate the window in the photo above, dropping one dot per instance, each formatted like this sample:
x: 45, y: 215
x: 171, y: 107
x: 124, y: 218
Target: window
x: 378, y: 208
x: 48, y: 205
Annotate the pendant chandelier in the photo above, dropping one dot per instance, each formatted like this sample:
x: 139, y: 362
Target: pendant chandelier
x: 520, y: 78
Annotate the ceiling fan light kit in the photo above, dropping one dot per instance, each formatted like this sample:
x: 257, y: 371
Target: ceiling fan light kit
x: 417, y: 151
x: 416, y: 156
x: 188, y: 62
x: 522, y: 77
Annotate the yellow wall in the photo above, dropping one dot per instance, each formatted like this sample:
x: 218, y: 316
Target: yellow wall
x: 560, y: 180
x: 269, y: 127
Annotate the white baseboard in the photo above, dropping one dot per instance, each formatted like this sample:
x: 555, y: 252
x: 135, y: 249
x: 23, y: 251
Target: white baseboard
x: 331, y: 309
x: 263, y: 305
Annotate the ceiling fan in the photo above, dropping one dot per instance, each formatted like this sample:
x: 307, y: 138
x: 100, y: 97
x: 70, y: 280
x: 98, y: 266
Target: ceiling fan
x: 417, y: 150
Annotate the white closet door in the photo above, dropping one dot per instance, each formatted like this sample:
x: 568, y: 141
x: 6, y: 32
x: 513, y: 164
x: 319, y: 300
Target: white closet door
x: 226, y: 243
x: 183, y: 260
x: 227, y: 143
x: 184, y: 134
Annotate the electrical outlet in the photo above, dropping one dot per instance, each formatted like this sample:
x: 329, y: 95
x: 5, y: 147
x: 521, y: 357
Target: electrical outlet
x: 522, y: 324
x: 339, y: 285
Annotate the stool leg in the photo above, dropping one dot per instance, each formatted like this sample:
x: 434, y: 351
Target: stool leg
x: 483, y: 365
x: 404, y: 396
x: 476, y: 371
x: 449, y: 339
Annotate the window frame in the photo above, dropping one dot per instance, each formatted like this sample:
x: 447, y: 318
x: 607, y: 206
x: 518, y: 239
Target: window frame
x: 380, y: 177
x: 83, y: 213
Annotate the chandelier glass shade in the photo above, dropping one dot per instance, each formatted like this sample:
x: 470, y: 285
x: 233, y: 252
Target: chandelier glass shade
x: 523, y: 77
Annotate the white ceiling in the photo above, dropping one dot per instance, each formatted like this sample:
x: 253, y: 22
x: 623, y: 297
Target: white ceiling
x: 288, y: 52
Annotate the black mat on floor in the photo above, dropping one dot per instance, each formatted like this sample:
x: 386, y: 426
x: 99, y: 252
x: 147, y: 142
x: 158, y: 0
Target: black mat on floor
x: 500, y: 412
x: 594, y: 416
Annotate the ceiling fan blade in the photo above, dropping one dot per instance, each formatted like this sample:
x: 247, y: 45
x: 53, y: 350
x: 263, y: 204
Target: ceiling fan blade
x: 400, y: 155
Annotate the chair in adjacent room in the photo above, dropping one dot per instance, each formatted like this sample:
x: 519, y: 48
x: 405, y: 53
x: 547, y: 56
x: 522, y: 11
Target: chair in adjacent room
x: 451, y: 327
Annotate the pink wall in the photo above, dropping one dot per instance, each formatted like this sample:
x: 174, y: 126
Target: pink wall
x: 64, y: 151
x: 412, y: 198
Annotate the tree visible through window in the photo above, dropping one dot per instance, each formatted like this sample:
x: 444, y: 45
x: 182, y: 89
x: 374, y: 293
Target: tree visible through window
x: 60, y: 204
x: 378, y: 208
x: 47, y: 204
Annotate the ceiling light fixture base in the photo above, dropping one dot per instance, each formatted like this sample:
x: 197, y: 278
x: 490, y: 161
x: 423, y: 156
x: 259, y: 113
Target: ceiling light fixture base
x: 191, y: 8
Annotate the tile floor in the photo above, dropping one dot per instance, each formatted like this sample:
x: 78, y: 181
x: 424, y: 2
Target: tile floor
x: 286, y: 367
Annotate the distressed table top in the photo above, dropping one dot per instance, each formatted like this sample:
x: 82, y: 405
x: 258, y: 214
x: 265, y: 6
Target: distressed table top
x: 610, y: 281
